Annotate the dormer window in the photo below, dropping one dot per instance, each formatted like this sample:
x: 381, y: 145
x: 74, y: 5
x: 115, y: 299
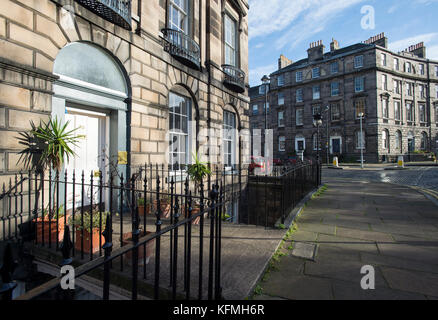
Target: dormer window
x: 315, y: 73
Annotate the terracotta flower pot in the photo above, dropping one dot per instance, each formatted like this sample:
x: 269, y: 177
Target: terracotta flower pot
x: 141, y: 210
x: 150, y: 248
x: 195, y: 210
x: 165, y: 208
x: 47, y: 227
x: 87, y: 240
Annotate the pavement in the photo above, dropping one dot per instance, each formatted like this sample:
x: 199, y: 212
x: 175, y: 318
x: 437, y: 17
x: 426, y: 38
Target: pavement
x: 352, y: 224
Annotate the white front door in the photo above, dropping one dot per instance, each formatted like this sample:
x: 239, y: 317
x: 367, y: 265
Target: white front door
x: 91, y: 154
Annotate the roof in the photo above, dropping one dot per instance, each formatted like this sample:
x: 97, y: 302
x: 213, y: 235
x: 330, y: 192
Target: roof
x: 327, y: 57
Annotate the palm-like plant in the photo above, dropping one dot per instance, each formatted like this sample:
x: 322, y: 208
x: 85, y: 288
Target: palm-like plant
x: 198, y: 170
x: 48, y: 145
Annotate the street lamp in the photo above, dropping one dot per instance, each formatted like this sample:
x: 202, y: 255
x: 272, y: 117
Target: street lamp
x: 317, y: 121
x: 326, y: 109
x: 266, y: 82
x: 361, y: 140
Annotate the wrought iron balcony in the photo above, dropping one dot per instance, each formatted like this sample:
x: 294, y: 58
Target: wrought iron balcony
x: 182, y: 48
x: 115, y: 11
x: 234, y: 78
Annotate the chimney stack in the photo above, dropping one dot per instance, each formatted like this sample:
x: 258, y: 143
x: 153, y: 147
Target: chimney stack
x: 283, y: 62
x: 379, y: 40
x: 316, y: 51
x: 418, y: 50
x: 334, y: 45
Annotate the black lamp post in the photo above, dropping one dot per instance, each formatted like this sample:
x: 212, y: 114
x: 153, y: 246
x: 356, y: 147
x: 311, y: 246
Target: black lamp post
x: 265, y: 81
x: 317, y: 122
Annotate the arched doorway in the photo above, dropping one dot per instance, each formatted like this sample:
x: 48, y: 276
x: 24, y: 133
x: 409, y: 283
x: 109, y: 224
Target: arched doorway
x: 91, y: 94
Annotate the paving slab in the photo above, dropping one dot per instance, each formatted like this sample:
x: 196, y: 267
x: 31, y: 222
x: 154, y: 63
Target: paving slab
x: 409, y: 281
x: 392, y: 228
x: 304, y: 250
x: 349, y: 291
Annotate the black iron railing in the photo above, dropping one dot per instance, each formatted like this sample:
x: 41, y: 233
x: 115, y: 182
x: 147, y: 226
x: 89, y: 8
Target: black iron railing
x: 115, y: 11
x: 182, y: 47
x: 234, y: 78
x: 156, y: 227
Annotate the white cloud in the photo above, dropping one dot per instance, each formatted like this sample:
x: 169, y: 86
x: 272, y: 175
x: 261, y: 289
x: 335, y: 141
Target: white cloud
x: 256, y: 74
x: 298, y: 20
x: 392, y: 9
x: 427, y: 38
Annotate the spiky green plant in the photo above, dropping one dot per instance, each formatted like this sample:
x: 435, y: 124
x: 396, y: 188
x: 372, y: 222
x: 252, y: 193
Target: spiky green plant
x: 198, y: 170
x: 48, y: 145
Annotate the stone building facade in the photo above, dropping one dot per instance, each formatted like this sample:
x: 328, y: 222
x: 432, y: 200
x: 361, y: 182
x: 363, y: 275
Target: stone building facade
x: 397, y: 93
x: 132, y: 77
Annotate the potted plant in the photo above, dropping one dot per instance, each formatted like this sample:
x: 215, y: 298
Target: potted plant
x: 144, y: 206
x: 46, y: 146
x: 164, y: 205
x: 91, y: 221
x: 150, y: 247
x: 197, y: 172
x: 50, y: 223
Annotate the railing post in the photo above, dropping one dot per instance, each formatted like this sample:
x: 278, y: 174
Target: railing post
x: 157, y: 241
x: 135, y: 236
x: 175, y: 249
x: 66, y: 247
x: 201, y: 239
x: 6, y: 271
x: 172, y: 213
x: 107, y: 247
x: 213, y: 197
x: 220, y: 206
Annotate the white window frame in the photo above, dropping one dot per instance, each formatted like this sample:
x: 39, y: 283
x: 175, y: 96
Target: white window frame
x: 280, y: 98
x: 229, y: 138
x: 281, y: 119
x: 255, y: 108
x: 316, y: 94
x: 230, y: 40
x: 298, y: 139
x: 333, y: 113
x: 299, y: 97
x: 336, y: 69
x: 422, y: 113
x: 383, y: 59
x: 385, y: 108
x: 299, y: 76
x: 410, y: 117
x: 297, y: 112
x: 385, y: 140
x: 385, y: 82
x: 281, y: 143
x: 396, y: 64
x: 316, y: 73
x: 334, y: 92
x: 180, y: 11
x: 397, y: 104
x: 280, y: 80
x: 358, y: 61
x: 179, y: 133
x: 359, y: 87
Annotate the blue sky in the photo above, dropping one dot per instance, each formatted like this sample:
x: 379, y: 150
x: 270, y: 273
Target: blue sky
x: 288, y: 26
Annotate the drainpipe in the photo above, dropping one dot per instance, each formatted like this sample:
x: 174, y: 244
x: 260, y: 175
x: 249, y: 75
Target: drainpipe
x: 429, y: 106
x: 208, y: 66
